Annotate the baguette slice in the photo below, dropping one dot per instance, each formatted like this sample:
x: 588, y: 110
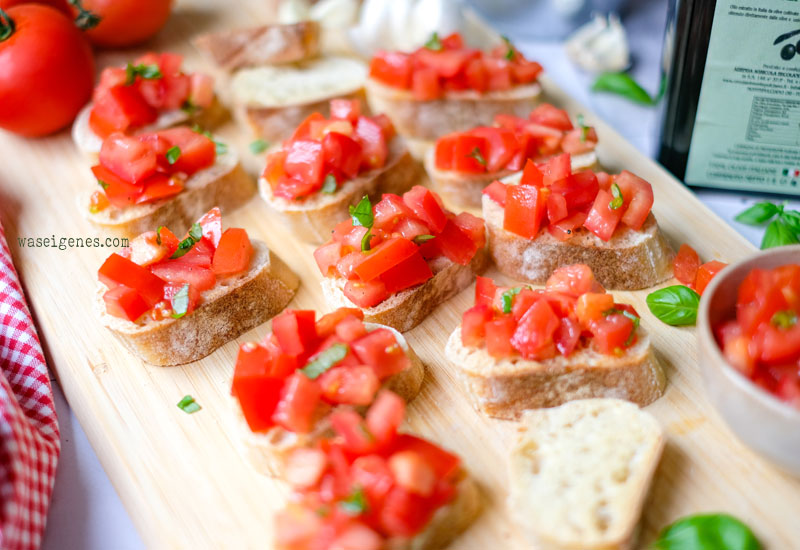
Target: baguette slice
x: 262, y: 45
x: 267, y: 452
x: 235, y: 305
x: 630, y: 260
x: 465, y: 189
x: 225, y: 184
x: 314, y: 218
x: 408, y: 308
x: 505, y: 388
x: 455, y: 112
x: 580, y: 474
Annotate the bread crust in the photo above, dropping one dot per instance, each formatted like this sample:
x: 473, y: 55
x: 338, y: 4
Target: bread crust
x: 631, y: 260
x: 507, y: 387
x: 225, y: 185
x: 455, y: 112
x: 267, y: 452
x: 235, y: 305
x: 408, y: 308
x: 313, y: 219
x: 465, y: 190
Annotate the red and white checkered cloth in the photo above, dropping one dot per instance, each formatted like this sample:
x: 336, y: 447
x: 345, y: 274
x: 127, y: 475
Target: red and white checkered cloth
x: 29, y: 443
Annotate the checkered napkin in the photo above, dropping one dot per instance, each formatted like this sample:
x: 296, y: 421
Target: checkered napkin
x: 29, y: 443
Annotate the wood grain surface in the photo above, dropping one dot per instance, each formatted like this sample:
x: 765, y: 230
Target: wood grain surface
x: 182, y: 478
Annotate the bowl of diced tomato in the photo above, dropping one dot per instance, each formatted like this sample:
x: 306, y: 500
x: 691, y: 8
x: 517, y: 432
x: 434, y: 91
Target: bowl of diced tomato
x: 749, y: 338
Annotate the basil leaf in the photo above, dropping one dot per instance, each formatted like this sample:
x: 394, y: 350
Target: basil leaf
x: 188, y: 404
x: 355, y: 504
x: 329, y: 185
x: 434, y: 42
x: 148, y: 72
x: 325, y: 360
x: 674, y: 305
x: 584, y: 128
x: 510, y: 52
x: 158, y: 234
x: 791, y: 218
x: 102, y: 184
x: 759, y: 213
x: 419, y: 239
x: 195, y: 234
x: 180, y: 302
x: 196, y: 231
x: 784, y: 319
x: 618, y: 200
x: 778, y: 234
x: 476, y: 154
x: 508, y: 298
x: 173, y: 154
x: 707, y: 532
x: 624, y: 85
x: 362, y: 213
x: 365, y: 241
x: 258, y: 146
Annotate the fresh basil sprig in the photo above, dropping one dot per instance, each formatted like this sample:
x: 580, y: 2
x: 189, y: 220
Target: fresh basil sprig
x: 325, y: 360
x: 624, y: 85
x: 784, y: 225
x: 195, y: 234
x: 674, y: 305
x: 362, y: 215
x: 219, y: 147
x: 707, y: 532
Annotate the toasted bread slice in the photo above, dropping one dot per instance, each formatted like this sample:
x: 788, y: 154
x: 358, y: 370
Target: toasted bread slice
x: 225, y: 184
x: 580, y: 473
x: 274, y: 100
x: 267, y: 452
x: 262, y: 45
x: 630, y: 260
x: 504, y: 388
x: 90, y: 143
x: 408, y: 308
x: 465, y: 189
x: 235, y: 305
x: 455, y: 112
x: 314, y: 218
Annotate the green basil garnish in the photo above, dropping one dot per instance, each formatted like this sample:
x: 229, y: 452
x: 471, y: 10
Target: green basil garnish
x: 325, y: 360
x: 707, y: 532
x: 508, y: 297
x: 195, y: 234
x: 434, y: 42
x: 258, y: 146
x: 362, y: 215
x: 674, y: 305
x: 476, y: 154
x: 329, y: 185
x: 419, y: 239
x: 784, y: 319
x: 778, y: 233
x: 355, y: 504
x: 760, y: 212
x: 180, y: 302
x: 618, y: 200
x: 148, y: 72
x: 173, y: 154
x: 102, y: 184
x: 188, y: 404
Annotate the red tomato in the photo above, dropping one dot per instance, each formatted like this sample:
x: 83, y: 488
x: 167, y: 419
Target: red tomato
x: 473, y: 226
x: 425, y: 84
x: 392, y: 68
x: 296, y: 331
x: 146, y: 250
x: 326, y: 325
x: 502, y: 146
x: 410, y: 272
x: 426, y: 206
x: 385, y: 416
x: 125, y: 303
x: 327, y: 257
x: 525, y: 71
x: 686, y: 264
x: 602, y: 219
x: 367, y: 294
x: 485, y: 290
x: 60, y: 5
x: 304, y: 161
x: 444, y: 152
x: 305, y: 467
x: 470, y: 153
x: 196, y: 150
x: 553, y: 117
x: 573, y: 280
x: 499, y: 74
x: 159, y: 186
x: 125, y: 22
x: 370, y: 134
x: 121, y: 108
x: 445, y: 464
x: 354, y: 385
x: 557, y: 168
x: 498, y: 337
x: 534, y: 333
x: 705, y: 273
x: 357, y: 536
x: 385, y: 256
x: 380, y: 350
x: 591, y: 307
x: 117, y: 270
x: 473, y: 325
x: 346, y: 109
x: 638, y: 196
x: 350, y: 328
x: 342, y: 152
x: 299, y: 399
x: 118, y: 192
x: 556, y: 207
x: 567, y: 335
x: 412, y: 473
x: 349, y: 425
x: 48, y: 71
x: 389, y: 211
x: 497, y: 192
x: 128, y: 158
x: 563, y: 230
x: 257, y: 392
x: 524, y: 211
x: 613, y: 333
x: 446, y: 62
x: 456, y: 244
x: 477, y: 76
x: 177, y: 271
x: 579, y: 190
x: 233, y: 253
x: 579, y: 141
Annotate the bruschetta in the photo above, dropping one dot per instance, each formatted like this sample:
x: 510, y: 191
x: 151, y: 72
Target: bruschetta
x: 401, y: 258
x: 446, y: 87
x: 172, y: 301
x: 462, y: 164
x: 521, y: 348
x: 149, y: 94
x: 369, y: 487
x: 168, y: 177
x: 329, y: 164
x: 580, y: 473
x: 286, y: 386
x: 551, y: 217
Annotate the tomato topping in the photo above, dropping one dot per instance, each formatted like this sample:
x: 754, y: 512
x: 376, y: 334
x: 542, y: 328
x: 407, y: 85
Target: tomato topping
x: 473, y: 325
x: 128, y: 158
x: 117, y: 271
x: 366, y: 294
x: 496, y: 191
x: 705, y: 273
x: 613, y: 333
x: 686, y: 264
x: 196, y: 151
x: 524, y: 211
x: 233, y: 253
x: 352, y: 385
x: 603, y: 217
x: 298, y: 401
x: 427, y: 207
x: 125, y: 302
x: 118, y: 192
x: 296, y: 331
x: 119, y: 110
x: 573, y: 280
x: 638, y: 199
x: 392, y: 68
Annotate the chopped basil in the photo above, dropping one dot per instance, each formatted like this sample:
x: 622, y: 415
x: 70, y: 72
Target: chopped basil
x: 707, y: 532
x: 355, y: 504
x: 419, y: 239
x: 219, y: 147
x: 434, y: 43
x: 85, y: 19
x: 258, y: 146
x: 476, y: 154
x: 158, y: 234
x: 510, y: 51
x: 329, y: 185
x: 180, y: 302
x: 508, y: 297
x: 188, y: 107
x: 148, y: 72
x: 784, y: 319
x: 188, y: 404
x: 617, y: 201
x: 584, y: 128
x: 674, y: 305
x: 325, y: 360
x: 195, y: 234
x: 173, y: 154
x: 102, y: 184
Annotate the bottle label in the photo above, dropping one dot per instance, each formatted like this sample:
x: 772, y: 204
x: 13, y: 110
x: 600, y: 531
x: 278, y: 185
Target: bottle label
x: 747, y: 130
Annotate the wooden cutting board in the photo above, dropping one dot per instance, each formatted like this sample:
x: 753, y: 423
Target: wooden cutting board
x: 181, y: 476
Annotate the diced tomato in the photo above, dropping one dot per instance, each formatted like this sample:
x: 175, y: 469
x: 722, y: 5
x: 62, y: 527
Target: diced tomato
x: 258, y: 393
x: 299, y: 399
x: 365, y: 294
x: 356, y: 235
x: 613, y: 333
x: 565, y: 229
x: 392, y: 68
x: 125, y: 303
x: 573, y: 280
x: 425, y: 84
x: 196, y: 150
x: 496, y: 191
x: 201, y: 88
x: 638, y: 196
x: 591, y: 307
x: 118, y: 110
x: 296, y: 331
x: 412, y: 473
x: 579, y: 141
x: 347, y: 264
x: 567, y: 335
x: 98, y: 202
x: 350, y: 328
x: 531, y: 175
x: 326, y: 325
x: 383, y: 257
x: 349, y: 425
x: 444, y: 151
x: 456, y: 244
x: 171, y: 289
x: 342, y: 153
x: 380, y: 350
x: 603, y: 219
x: 476, y: 75
x: 556, y: 207
x: 705, y: 273
x: 200, y: 254
x: 158, y: 187
x: 128, y: 158
x: 557, y: 168
x: 146, y: 250
x: 485, y: 290
x: 498, y: 336
x: 525, y: 71
x: 498, y: 74
x: 233, y: 252
x: 304, y: 161
x: 534, y: 332
x: 410, y: 272
x: 177, y: 271
x: 385, y: 416
x: 357, y: 536
x: 446, y: 62
x: 426, y: 207
x: 445, y: 464
x: 305, y: 467
x: 117, y: 270
x: 351, y: 385
x: 473, y: 325
x: 502, y: 146
x: 410, y: 228
x: 686, y: 264
x: 373, y: 140
x: 579, y: 190
x: 389, y: 211
x: 470, y: 154
x: 548, y: 115
x: 345, y: 109
x: 524, y: 210
x: 404, y: 514
x: 327, y: 256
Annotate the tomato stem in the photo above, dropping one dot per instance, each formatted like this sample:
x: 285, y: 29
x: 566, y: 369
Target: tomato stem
x: 85, y: 19
x: 7, y: 26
